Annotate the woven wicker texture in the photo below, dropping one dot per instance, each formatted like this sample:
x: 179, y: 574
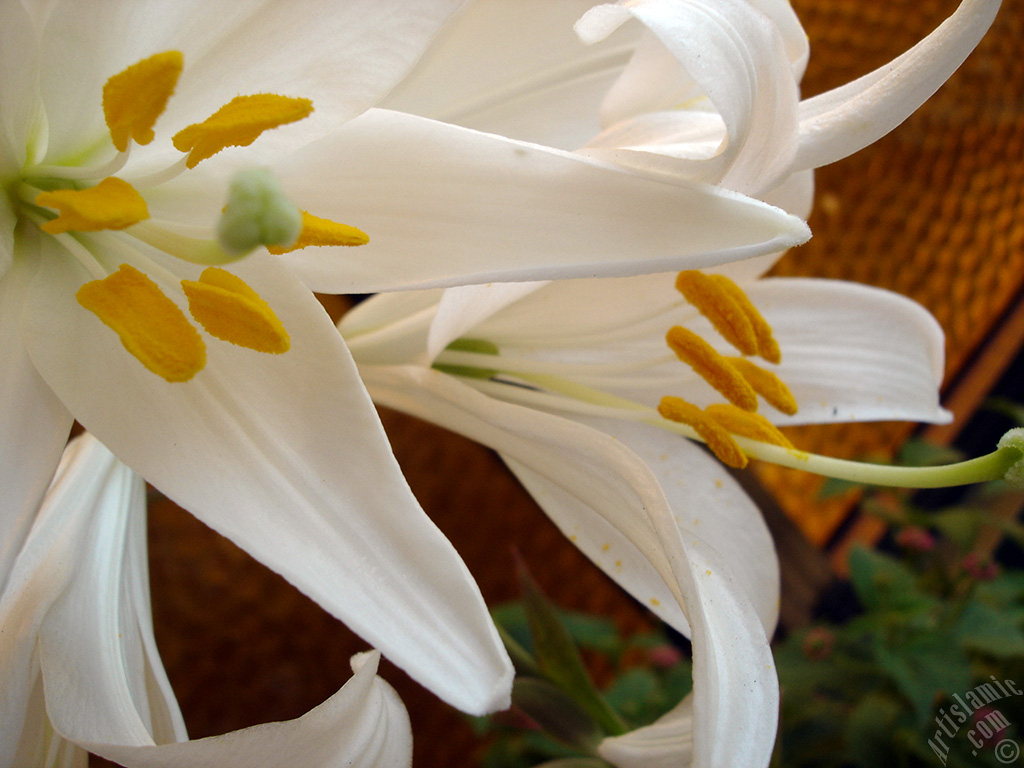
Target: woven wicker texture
x: 933, y: 211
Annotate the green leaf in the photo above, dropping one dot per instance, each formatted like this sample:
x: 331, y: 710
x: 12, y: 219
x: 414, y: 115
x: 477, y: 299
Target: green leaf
x: 884, y: 583
x: 869, y: 730
x: 635, y: 694
x: 918, y: 453
x: 558, y: 657
x: 556, y: 712
x: 984, y: 629
x: 924, y: 667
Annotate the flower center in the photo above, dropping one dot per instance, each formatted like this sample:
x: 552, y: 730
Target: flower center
x: 64, y: 201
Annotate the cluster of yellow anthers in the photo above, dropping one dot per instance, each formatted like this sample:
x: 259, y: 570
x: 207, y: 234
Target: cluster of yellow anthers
x: 150, y: 325
x: 738, y: 379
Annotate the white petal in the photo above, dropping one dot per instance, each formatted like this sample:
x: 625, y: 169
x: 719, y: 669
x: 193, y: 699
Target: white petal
x: 363, y: 725
x: 444, y: 205
x: 853, y: 353
x: 590, y: 484
x: 737, y: 57
x: 33, y: 423
x: 839, y: 122
x: 391, y: 328
x: 462, y: 308
x: 89, y: 501
x: 101, y: 671
x: 284, y: 455
x: 19, y: 94
x: 665, y: 743
x: 714, y: 514
x: 518, y: 70
x: 343, y: 56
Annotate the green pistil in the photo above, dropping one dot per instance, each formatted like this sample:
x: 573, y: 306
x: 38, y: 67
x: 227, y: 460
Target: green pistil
x: 475, y: 346
x: 1006, y: 462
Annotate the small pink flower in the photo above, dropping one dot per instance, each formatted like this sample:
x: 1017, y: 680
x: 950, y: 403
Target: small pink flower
x: 979, y: 566
x: 915, y: 539
x: 664, y: 656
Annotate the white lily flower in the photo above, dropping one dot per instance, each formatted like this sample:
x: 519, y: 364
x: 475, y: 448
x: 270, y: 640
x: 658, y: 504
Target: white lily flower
x: 79, y: 666
x: 565, y: 384
x: 228, y: 388
x: 703, y: 89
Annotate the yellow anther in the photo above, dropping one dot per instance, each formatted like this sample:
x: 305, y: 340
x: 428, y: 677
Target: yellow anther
x: 135, y: 98
x: 151, y: 326
x: 317, y: 231
x: 712, y: 367
x: 767, y: 385
x: 719, y: 307
x: 747, y: 424
x: 238, y: 124
x: 767, y: 347
x: 717, y: 438
x: 111, y: 204
x: 230, y: 310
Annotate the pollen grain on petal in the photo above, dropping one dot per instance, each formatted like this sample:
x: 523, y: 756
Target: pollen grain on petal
x: 717, y: 438
x: 318, y: 231
x: 151, y: 326
x: 766, y: 384
x: 229, y: 309
x: 767, y: 346
x: 135, y: 98
x: 712, y: 367
x: 238, y: 124
x: 719, y: 307
x: 111, y: 204
x: 747, y: 424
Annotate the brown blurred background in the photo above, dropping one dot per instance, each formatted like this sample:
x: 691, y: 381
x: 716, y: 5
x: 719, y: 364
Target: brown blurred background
x: 933, y: 211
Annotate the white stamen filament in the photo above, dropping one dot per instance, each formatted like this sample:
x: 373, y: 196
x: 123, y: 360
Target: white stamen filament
x: 79, y: 173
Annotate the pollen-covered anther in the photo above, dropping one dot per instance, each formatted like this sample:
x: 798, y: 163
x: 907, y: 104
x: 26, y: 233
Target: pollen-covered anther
x: 714, y: 435
x: 767, y: 346
x: 111, y: 204
x: 712, y: 367
x: 135, y: 98
x: 766, y: 384
x: 719, y: 307
x: 318, y: 231
x: 238, y: 124
x: 151, y: 326
x: 747, y: 424
x: 229, y: 309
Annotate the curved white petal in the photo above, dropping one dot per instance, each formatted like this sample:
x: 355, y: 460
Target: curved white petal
x: 463, y: 307
x: 96, y: 643
x: 34, y: 425
x: 343, y: 56
x: 518, y: 70
x: 591, y: 484
x: 713, y: 513
x: 737, y: 57
x: 285, y: 456
x: 444, y: 205
x: 86, y: 552
x: 839, y: 122
x: 849, y: 352
x: 665, y: 743
x: 853, y: 353
x: 363, y: 725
